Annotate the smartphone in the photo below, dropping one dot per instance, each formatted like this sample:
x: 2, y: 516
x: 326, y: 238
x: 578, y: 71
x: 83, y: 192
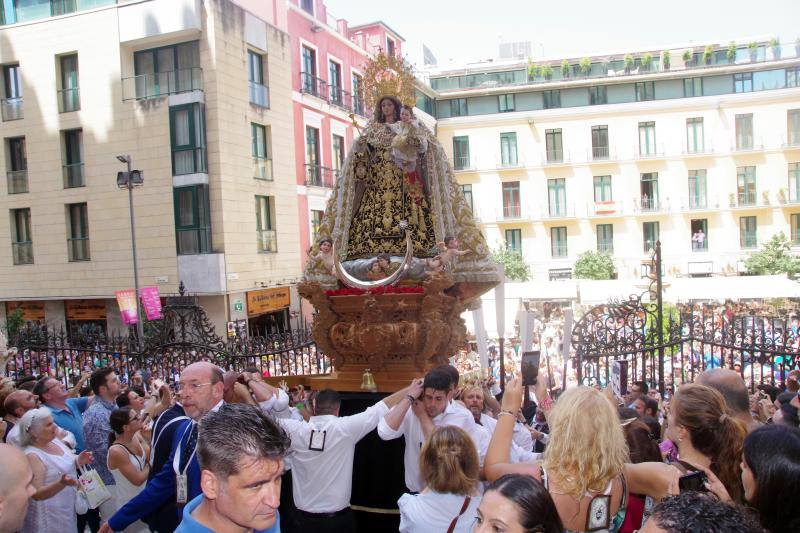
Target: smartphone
x: 693, y: 482
x: 530, y: 367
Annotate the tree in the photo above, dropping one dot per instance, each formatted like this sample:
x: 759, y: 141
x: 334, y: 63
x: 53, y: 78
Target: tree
x: 14, y: 323
x: 388, y: 75
x: 775, y: 257
x: 594, y: 265
x: 514, y: 264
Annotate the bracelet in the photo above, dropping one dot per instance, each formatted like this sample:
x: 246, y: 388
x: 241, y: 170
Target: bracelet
x: 410, y: 398
x: 504, y: 412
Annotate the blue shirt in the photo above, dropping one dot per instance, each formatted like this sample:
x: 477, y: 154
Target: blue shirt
x: 96, y: 427
x: 190, y: 525
x: 71, y: 419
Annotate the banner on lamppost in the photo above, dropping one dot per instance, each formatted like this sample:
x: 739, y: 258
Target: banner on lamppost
x: 127, y: 306
x: 151, y: 301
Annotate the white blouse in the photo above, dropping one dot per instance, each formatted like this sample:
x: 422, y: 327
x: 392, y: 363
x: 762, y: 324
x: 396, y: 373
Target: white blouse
x: 432, y: 512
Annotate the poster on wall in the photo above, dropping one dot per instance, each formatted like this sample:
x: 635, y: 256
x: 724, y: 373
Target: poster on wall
x: 127, y: 306
x: 151, y: 301
x: 85, y: 310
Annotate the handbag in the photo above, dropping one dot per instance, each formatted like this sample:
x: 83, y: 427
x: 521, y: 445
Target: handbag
x: 92, y: 486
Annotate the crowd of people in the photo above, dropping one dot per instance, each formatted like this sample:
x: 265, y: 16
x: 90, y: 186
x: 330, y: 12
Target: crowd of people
x: 212, y: 455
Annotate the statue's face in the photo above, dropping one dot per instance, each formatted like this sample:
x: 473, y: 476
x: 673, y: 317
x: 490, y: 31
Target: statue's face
x: 325, y: 247
x: 387, y: 109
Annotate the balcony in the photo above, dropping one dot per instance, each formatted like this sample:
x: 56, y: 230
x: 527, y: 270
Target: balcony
x: 747, y: 144
x: 512, y: 212
x: 651, y: 205
x: 462, y: 163
x: 745, y: 199
x: 160, y: 84
x: 22, y: 252
x: 699, y: 203
x: 319, y: 176
x: 78, y: 249
x: 559, y: 250
x: 649, y: 151
x: 259, y: 94
x: 601, y: 153
x: 558, y: 210
x: 203, y: 272
x: 699, y: 246
x: 11, y: 108
x: 701, y: 149
x: 792, y: 141
x: 510, y: 163
x: 17, y: 181
x: 267, y: 241
x: 748, y: 241
x: 556, y: 157
x: 607, y: 208
x: 262, y: 168
x: 605, y: 247
x: 69, y: 100
x: 332, y: 94
x: 73, y: 175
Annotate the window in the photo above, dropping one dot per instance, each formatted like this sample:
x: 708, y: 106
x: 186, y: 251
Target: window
x: 17, y: 165
x: 747, y: 232
x: 314, y: 175
x: 647, y: 139
x: 795, y: 229
x: 511, y: 204
x: 461, y: 153
x: 605, y: 238
x: 602, y: 189
x: 466, y: 190
x: 21, y: 240
x: 69, y: 94
x: 692, y: 87
x: 648, y: 185
x: 699, y: 229
x: 505, y: 103
x: 597, y: 95
x: 650, y: 232
x: 551, y: 99
x: 746, y: 185
x: 337, y: 157
x: 554, y: 145
x: 794, y: 182
x: 514, y: 240
x: 335, y: 82
x: 167, y: 70
x: 72, y: 148
x: 265, y: 225
x: 262, y: 163
x: 12, y: 96
x: 78, y: 232
x: 557, y: 197
x: 793, y: 77
x: 458, y: 107
x: 192, y: 219
x: 645, y: 90
x: 316, y: 222
x: 358, y: 101
x: 743, y: 82
x: 793, y: 127
x: 600, y: 142
x: 744, y: 132
x: 307, y: 6
x: 258, y: 92
x: 309, y: 71
x: 390, y: 46
x: 188, y: 137
x: 558, y: 241
x: 697, y: 189
x: 508, y: 149
x: 695, y: 139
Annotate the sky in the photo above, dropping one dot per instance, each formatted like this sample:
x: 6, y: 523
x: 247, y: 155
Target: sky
x: 469, y: 30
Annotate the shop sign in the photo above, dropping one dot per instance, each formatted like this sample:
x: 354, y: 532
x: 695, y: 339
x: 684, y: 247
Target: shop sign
x: 267, y: 301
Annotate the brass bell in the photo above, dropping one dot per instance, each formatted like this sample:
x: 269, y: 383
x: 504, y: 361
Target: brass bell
x: 368, y: 381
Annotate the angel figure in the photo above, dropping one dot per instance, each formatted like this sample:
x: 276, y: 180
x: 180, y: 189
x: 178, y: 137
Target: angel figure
x: 450, y: 251
x: 376, y: 271
x: 325, y: 257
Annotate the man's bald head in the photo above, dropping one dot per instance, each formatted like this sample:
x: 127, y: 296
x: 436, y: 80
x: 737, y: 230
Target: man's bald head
x: 15, y: 487
x: 731, y: 386
x: 19, y: 402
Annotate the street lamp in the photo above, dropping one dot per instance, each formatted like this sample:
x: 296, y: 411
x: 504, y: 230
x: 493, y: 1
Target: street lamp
x: 129, y: 180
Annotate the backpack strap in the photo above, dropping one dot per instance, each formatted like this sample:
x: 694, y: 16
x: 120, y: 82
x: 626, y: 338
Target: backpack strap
x: 464, y: 508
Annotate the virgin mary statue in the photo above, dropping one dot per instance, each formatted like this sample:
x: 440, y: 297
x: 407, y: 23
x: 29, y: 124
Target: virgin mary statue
x: 397, y: 172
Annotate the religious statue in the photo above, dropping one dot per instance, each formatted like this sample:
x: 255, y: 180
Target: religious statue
x: 450, y: 251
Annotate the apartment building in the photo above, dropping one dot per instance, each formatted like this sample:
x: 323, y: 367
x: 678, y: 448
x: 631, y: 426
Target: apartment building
x: 613, y: 152
x: 199, y: 94
x: 328, y: 58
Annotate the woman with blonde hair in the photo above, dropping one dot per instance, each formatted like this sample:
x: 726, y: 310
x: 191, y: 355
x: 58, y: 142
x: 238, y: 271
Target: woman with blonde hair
x: 450, y: 468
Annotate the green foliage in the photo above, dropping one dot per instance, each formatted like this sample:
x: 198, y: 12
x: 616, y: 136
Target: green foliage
x: 774, y: 42
x: 585, y: 66
x: 731, y: 51
x: 687, y: 55
x: 775, y: 257
x: 647, y: 60
x: 14, y: 323
x: 665, y: 59
x: 516, y: 268
x: 708, y: 51
x: 628, y: 62
x: 669, y: 313
x: 752, y: 45
x: 533, y: 69
x: 594, y: 265
x: 546, y: 71
x: 565, y: 68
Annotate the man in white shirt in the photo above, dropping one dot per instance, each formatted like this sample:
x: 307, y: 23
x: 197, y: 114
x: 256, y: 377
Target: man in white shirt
x: 322, y: 460
x: 434, y: 410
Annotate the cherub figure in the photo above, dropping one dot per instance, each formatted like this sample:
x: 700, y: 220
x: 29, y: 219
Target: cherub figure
x: 450, y: 251
x: 385, y: 262
x: 325, y: 255
x: 376, y: 271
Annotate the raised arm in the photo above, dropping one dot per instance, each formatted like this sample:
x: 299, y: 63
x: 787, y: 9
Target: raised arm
x: 498, y: 462
x: 657, y: 480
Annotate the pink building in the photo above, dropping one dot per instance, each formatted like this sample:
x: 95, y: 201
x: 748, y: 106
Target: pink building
x: 327, y: 63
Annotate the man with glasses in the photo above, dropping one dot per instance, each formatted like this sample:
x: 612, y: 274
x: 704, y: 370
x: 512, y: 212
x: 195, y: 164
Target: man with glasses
x: 201, y: 390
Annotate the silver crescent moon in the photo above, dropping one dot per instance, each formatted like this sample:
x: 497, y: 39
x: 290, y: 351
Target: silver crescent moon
x: 346, y: 278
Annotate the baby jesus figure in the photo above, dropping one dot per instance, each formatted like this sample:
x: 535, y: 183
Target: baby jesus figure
x: 450, y: 251
x: 409, y: 141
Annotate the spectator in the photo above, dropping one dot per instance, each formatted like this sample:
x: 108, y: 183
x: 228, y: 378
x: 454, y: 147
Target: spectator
x: 241, y: 453
x: 642, y: 448
x: 54, y: 474
x: 787, y: 414
x: 67, y: 412
x: 133, y: 398
x: 17, y: 404
x: 517, y: 503
x: 16, y: 487
x: 449, y: 467
x: 694, y: 512
x: 127, y: 459
x: 733, y: 390
x: 636, y: 390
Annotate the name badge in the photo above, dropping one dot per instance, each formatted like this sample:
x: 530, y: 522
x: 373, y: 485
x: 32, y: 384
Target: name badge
x: 182, y: 488
x: 317, y: 440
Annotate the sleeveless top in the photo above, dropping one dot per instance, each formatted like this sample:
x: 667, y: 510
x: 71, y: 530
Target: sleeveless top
x: 617, y: 519
x: 57, y: 513
x: 125, y: 490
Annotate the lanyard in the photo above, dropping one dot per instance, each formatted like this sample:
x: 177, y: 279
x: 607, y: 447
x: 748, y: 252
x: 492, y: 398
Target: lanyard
x: 176, y: 461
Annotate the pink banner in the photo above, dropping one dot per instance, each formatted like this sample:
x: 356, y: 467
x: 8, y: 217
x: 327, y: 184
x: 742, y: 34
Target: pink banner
x: 151, y: 301
x: 127, y: 306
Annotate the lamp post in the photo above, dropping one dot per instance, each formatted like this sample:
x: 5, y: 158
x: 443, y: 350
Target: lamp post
x: 129, y: 180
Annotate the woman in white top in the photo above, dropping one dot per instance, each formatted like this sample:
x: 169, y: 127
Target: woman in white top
x: 450, y: 468
x: 127, y: 459
x: 52, y: 506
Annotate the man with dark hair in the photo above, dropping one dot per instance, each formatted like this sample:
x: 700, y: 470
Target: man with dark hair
x: 322, y: 459
x: 692, y: 512
x: 732, y: 387
x: 637, y: 389
x: 416, y: 424
x: 645, y: 406
x: 240, y: 451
